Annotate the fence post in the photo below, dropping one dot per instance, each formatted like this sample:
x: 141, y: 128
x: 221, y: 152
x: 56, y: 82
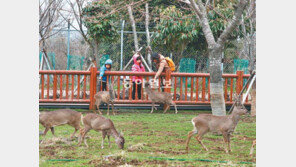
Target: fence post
x: 92, y: 89
x: 239, y: 81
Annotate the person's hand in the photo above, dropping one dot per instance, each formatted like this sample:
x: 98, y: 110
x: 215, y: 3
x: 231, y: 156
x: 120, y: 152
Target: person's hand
x: 100, y: 77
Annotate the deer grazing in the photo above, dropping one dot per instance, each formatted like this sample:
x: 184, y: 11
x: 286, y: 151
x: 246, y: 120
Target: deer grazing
x: 100, y: 123
x: 60, y: 117
x: 159, y: 97
x: 204, y: 123
x: 105, y: 97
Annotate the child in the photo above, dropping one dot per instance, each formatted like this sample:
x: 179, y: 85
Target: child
x: 137, y: 80
x: 102, y: 77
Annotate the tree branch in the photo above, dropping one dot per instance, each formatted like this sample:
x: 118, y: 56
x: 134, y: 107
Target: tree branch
x: 201, y: 12
x: 233, y: 23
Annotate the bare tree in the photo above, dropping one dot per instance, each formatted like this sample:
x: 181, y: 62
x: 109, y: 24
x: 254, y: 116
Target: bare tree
x: 48, y: 20
x: 75, y: 13
x: 215, y: 50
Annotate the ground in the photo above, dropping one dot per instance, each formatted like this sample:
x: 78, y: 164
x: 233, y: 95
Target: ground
x: 151, y: 140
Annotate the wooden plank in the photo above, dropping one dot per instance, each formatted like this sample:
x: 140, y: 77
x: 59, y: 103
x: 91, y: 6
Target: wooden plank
x: 231, y: 89
x: 72, y: 88
x: 42, y: 86
x: 48, y: 79
x: 67, y: 86
x: 147, y: 80
x: 78, y: 86
x: 203, y: 88
x: 225, y: 89
x: 118, y: 87
x: 61, y: 86
x: 55, y: 87
x: 181, y: 87
x: 123, y: 89
x: 191, y: 89
x: 196, y: 91
x: 186, y: 87
x: 130, y: 90
x: 209, y: 89
x: 84, y: 87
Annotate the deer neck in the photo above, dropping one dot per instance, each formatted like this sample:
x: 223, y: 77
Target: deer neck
x: 235, y: 118
x: 114, y: 133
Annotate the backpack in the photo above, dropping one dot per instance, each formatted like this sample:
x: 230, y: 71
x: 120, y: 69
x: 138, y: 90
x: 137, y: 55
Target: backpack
x: 170, y: 63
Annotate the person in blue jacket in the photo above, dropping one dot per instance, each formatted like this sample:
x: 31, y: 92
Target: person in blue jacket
x: 102, y: 77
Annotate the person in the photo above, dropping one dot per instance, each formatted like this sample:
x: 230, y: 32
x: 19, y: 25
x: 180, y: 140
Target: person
x: 102, y: 77
x: 137, y: 80
x: 162, y: 66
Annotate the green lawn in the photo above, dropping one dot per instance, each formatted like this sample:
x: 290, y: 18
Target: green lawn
x: 148, y: 136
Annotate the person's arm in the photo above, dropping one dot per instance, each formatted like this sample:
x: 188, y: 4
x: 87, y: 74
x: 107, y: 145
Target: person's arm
x: 134, y: 68
x: 102, y: 72
x: 160, y: 69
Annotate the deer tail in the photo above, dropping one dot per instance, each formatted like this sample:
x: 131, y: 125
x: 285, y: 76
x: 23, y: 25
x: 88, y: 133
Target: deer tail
x: 194, y: 127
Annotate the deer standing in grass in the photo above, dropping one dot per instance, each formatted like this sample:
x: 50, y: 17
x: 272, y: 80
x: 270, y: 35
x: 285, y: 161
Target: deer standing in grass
x: 100, y: 123
x: 60, y: 117
x: 204, y: 123
x: 105, y: 97
x: 159, y: 97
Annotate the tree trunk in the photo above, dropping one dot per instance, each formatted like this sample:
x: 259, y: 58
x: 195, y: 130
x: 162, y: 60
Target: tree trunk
x: 147, y: 34
x: 216, y: 82
x: 95, y: 53
x: 130, y: 12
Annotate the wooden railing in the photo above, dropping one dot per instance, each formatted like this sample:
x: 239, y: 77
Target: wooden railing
x: 80, y: 86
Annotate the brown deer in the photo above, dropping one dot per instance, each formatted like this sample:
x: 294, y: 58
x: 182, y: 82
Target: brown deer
x: 105, y: 97
x: 60, y: 117
x: 159, y: 97
x: 204, y: 123
x: 100, y: 123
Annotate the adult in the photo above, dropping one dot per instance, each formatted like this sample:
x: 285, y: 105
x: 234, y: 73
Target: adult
x: 162, y: 66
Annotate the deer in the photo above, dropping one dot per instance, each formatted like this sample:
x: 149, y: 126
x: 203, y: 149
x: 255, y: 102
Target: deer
x: 100, y: 123
x: 60, y: 117
x: 205, y: 123
x: 159, y: 97
x: 105, y: 97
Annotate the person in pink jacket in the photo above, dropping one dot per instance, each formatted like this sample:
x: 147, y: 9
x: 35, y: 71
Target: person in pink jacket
x: 137, y: 80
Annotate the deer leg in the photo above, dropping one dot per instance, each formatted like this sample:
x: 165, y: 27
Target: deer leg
x: 45, y: 131
x: 228, y: 139
x: 167, y: 107
x: 112, y: 105
x: 108, y: 136
x: 225, y: 140
x: 199, y: 138
x: 103, y: 138
x: 83, y: 133
x: 152, y: 107
x: 52, y: 131
x: 108, y: 108
x: 190, y: 134
x: 73, y: 133
x: 175, y: 107
x: 98, y: 106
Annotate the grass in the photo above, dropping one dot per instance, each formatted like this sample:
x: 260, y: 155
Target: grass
x: 150, y: 135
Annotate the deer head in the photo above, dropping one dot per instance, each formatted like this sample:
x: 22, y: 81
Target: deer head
x: 239, y: 108
x: 120, y: 141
